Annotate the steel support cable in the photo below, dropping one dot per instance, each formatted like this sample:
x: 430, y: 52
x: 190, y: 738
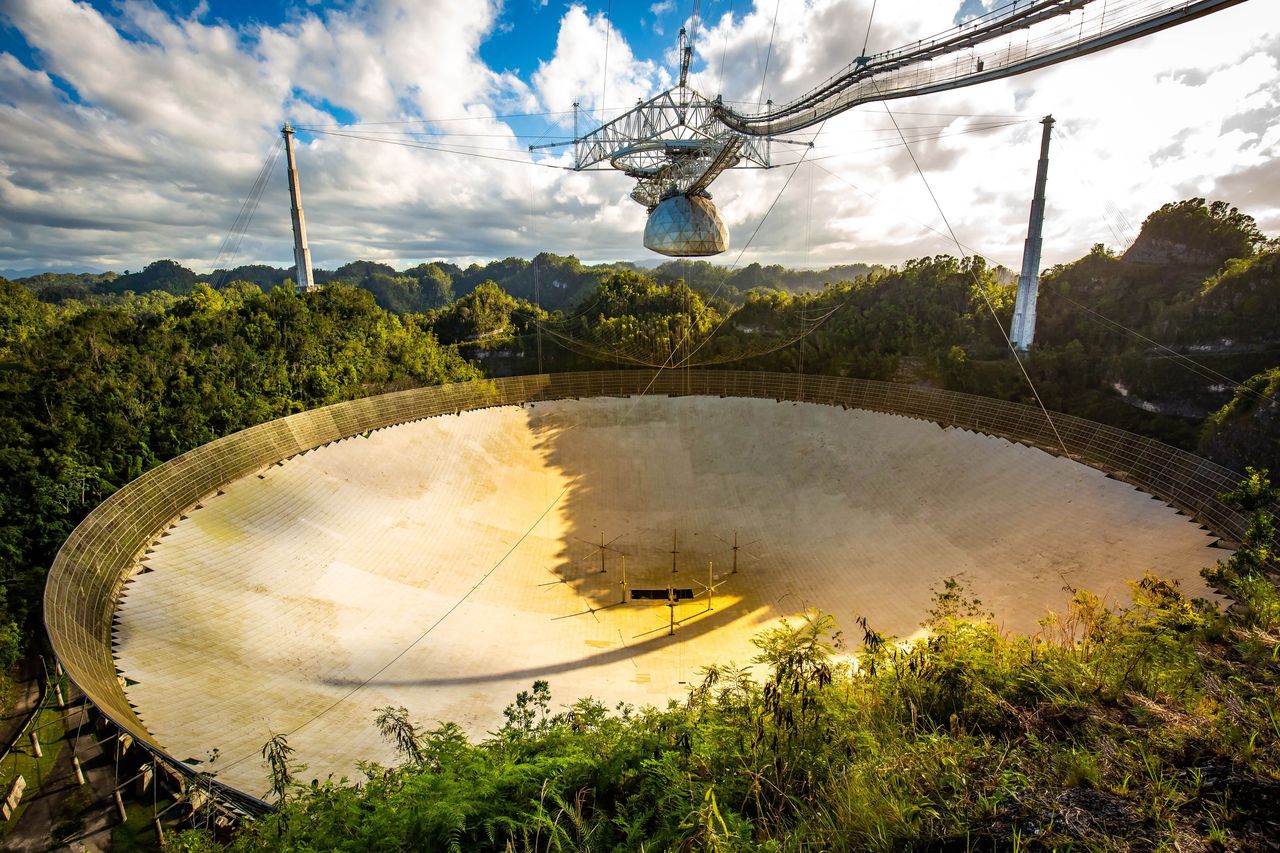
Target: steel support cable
x: 752, y: 238
x: 695, y: 20
x: 1057, y: 44
x: 251, y: 196
x: 921, y: 133
x: 768, y: 54
x: 494, y: 117
x: 447, y: 150
x: 560, y: 329
x: 451, y: 147
x: 604, y: 76
x: 687, y: 360
x: 964, y: 115
x: 579, y: 311
x: 434, y: 134
x: 634, y: 354
x: 809, y: 326
x: 978, y: 286
x: 724, y: 51
x: 444, y: 134
x: 240, y: 225
x: 922, y: 112
x: 1187, y: 362
x: 888, y: 130
x: 924, y: 138
x: 1066, y: 140
x: 551, y: 329
x: 808, y: 243
x: 576, y: 345
x: 404, y: 651
x: 881, y: 201
x: 726, y: 358
x: 1201, y: 370
x: 916, y: 51
x: 543, y: 113
x: 590, y: 303
x: 604, y: 351
x: 915, y: 112
x: 866, y: 39
x: 1109, y: 208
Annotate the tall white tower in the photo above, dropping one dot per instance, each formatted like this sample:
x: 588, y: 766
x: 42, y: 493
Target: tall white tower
x: 1023, y: 331
x: 301, y: 254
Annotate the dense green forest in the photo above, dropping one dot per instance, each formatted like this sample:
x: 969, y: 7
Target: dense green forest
x: 552, y: 281
x: 1124, y: 716
x: 1200, y: 283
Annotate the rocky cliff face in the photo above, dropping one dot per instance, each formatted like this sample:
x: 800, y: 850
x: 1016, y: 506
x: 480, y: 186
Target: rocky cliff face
x: 1194, y: 233
x: 1250, y: 440
x: 1153, y: 250
x: 1247, y: 430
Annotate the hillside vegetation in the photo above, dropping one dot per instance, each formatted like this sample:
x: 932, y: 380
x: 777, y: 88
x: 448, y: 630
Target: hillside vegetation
x: 1200, y: 282
x: 1153, y: 727
x: 106, y: 375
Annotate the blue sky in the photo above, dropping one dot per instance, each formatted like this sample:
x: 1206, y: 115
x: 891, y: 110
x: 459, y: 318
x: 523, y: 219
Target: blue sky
x: 523, y: 36
x: 132, y: 130
x: 526, y: 33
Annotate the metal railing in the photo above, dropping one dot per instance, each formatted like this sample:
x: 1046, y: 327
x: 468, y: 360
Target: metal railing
x: 20, y: 756
x: 85, y: 581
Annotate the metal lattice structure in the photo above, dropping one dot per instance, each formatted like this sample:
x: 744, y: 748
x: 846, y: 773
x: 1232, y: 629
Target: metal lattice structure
x: 672, y: 143
x: 678, y: 142
x: 1013, y: 38
x: 84, y: 586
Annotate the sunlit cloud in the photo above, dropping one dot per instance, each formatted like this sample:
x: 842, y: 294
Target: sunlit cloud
x: 135, y: 135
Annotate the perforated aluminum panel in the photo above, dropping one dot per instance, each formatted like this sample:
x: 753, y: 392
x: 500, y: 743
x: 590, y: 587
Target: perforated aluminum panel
x: 685, y: 227
x: 85, y: 581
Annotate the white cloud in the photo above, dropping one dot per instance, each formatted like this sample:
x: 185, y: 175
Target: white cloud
x: 175, y: 120
x: 656, y: 13
x: 174, y: 116
x: 592, y: 62
x: 1133, y: 133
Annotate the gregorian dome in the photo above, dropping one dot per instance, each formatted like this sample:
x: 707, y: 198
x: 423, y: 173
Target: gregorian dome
x: 686, y: 226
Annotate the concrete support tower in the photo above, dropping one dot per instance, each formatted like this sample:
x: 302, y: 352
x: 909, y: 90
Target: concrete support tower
x: 301, y: 254
x: 1023, y: 331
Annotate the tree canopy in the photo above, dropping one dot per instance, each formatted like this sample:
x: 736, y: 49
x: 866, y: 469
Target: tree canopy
x: 95, y: 397
x: 1205, y: 233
